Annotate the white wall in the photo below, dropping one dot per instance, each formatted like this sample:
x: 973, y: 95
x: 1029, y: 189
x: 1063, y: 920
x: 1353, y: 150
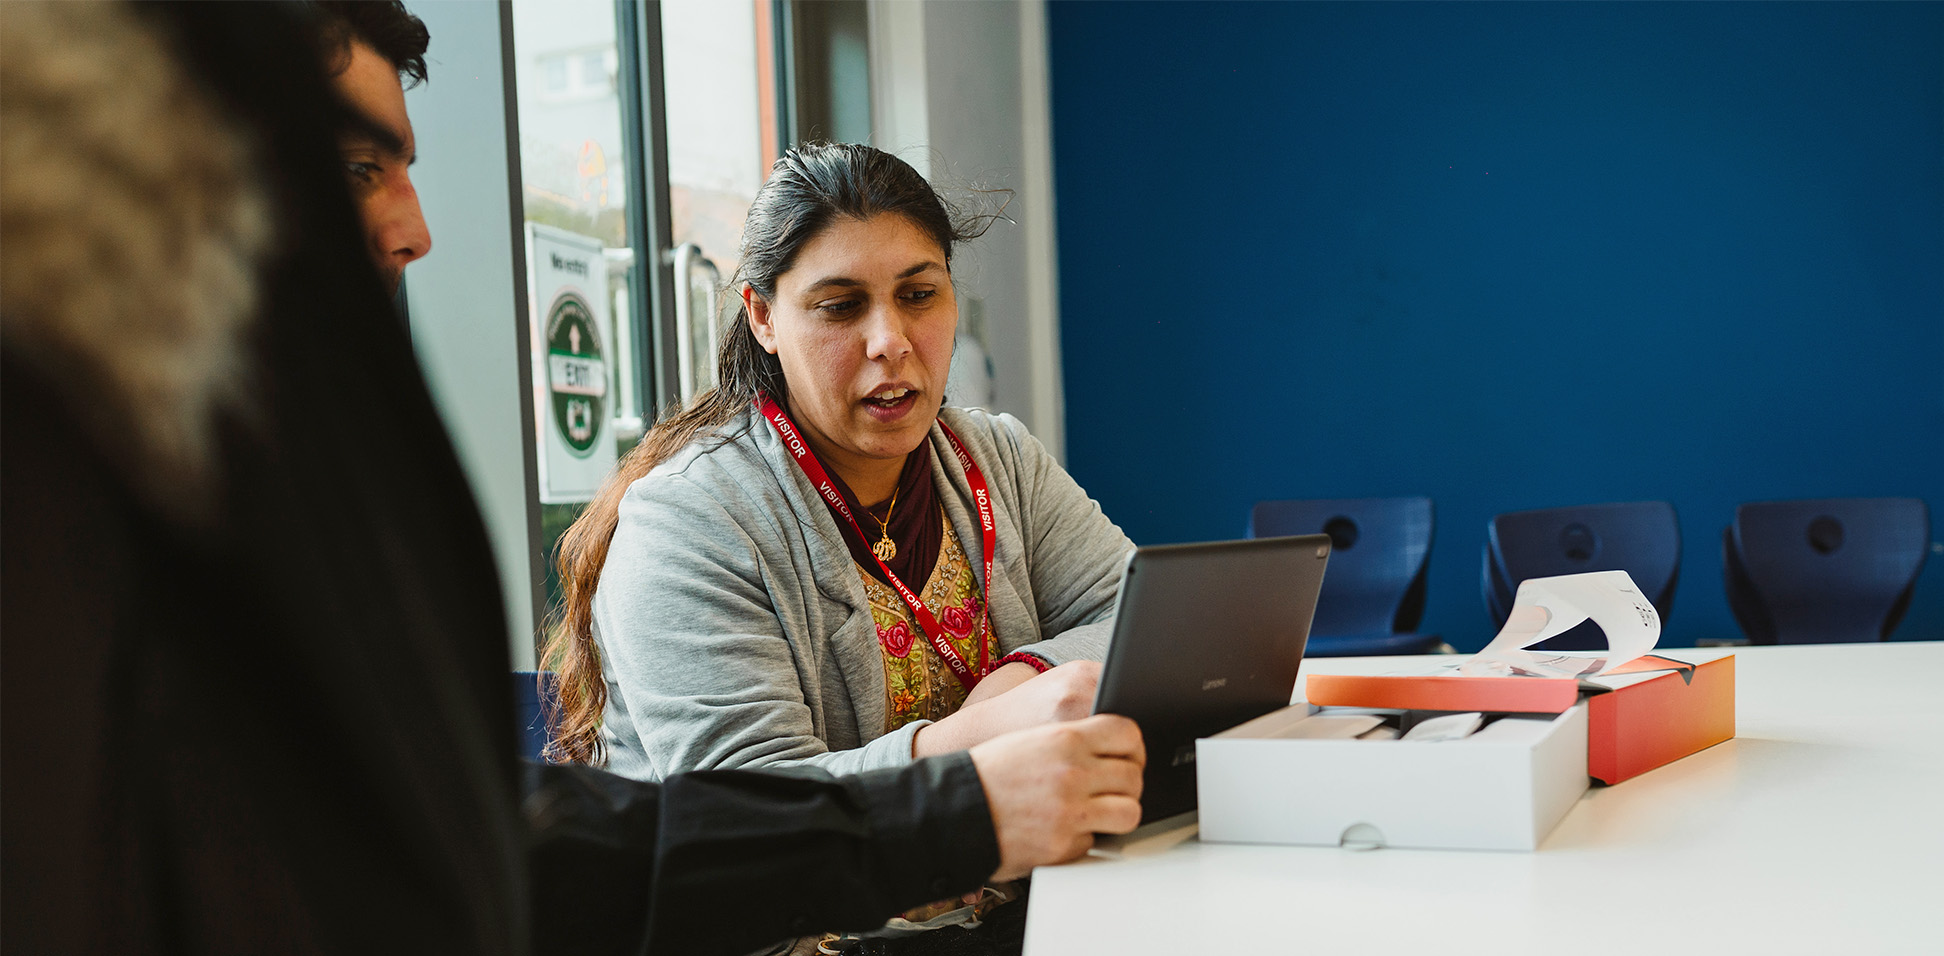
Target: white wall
x: 465, y: 326
x: 960, y: 91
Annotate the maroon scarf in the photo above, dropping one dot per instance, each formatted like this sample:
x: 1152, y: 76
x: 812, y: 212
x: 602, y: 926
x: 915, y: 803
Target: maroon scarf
x: 915, y: 525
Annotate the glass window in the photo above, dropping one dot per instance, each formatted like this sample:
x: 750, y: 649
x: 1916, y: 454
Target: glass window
x: 719, y: 110
x: 594, y: 76
x: 574, y: 162
x: 830, y: 71
x: 711, y: 53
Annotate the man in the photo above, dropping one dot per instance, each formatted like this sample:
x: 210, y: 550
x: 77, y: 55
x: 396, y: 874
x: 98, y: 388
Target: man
x: 370, y: 49
x: 255, y: 679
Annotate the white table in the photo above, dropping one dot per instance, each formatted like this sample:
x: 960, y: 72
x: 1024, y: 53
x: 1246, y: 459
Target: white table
x: 1819, y: 829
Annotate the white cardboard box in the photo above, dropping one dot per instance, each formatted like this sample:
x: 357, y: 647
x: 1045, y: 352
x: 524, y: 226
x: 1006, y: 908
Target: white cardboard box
x: 1259, y: 786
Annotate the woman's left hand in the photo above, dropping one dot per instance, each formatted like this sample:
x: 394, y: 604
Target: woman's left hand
x: 1061, y: 694
x: 1007, y: 677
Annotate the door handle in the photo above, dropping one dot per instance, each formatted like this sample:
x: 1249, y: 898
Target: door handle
x: 690, y: 263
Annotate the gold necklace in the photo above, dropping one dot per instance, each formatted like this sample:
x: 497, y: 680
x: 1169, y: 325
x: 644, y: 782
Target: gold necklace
x: 885, y: 549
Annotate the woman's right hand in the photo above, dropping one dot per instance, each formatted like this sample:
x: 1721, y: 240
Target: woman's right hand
x: 1062, y: 693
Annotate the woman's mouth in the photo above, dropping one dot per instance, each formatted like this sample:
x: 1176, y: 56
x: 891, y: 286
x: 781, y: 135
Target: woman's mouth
x: 891, y: 402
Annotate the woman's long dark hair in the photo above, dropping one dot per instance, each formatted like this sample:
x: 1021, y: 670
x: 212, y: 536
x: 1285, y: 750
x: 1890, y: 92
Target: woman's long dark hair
x: 810, y: 187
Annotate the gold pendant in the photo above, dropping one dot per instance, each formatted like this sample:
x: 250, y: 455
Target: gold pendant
x: 885, y: 549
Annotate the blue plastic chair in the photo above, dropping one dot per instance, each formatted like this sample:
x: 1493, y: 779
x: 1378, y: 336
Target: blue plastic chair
x: 1824, y: 570
x: 534, y: 695
x: 1642, y: 538
x: 1373, y: 591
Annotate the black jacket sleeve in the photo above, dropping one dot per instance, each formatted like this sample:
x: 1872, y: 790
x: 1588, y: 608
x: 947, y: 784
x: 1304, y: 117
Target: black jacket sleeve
x: 725, y: 861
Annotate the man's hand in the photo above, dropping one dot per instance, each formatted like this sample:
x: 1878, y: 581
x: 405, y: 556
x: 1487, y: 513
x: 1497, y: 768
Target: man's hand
x: 1052, y: 788
x: 1064, y: 693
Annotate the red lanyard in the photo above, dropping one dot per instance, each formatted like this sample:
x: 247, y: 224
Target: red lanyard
x: 814, y: 470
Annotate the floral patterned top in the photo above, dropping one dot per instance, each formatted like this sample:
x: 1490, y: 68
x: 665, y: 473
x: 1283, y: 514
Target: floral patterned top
x: 918, y: 684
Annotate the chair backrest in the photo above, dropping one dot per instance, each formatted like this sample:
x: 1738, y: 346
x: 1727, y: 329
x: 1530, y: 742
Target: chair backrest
x: 534, y: 696
x: 1379, y: 551
x: 1642, y: 538
x: 1824, y: 570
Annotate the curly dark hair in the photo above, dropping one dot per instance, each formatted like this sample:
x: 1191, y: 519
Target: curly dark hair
x: 384, y: 25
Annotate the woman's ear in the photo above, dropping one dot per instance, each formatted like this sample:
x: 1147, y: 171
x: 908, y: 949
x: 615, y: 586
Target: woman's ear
x: 758, y: 310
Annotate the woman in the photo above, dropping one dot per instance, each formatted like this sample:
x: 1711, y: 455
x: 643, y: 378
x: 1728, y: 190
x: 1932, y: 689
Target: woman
x: 815, y: 563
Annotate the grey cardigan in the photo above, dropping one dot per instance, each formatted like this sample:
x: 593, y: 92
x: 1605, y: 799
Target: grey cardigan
x: 733, y: 627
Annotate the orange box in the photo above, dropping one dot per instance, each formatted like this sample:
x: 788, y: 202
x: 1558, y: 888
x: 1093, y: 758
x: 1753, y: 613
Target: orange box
x: 1632, y: 727
x: 1638, y: 727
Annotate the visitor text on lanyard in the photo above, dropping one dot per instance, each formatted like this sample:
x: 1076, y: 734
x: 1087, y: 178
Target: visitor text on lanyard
x: 927, y: 622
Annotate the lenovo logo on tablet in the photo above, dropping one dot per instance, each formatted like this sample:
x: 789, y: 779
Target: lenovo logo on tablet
x: 1214, y: 682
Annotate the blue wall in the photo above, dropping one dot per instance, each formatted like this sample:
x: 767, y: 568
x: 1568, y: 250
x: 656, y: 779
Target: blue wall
x: 1509, y: 256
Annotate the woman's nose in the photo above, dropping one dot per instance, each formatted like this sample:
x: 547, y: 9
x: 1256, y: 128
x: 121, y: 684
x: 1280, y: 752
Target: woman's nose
x: 887, y: 337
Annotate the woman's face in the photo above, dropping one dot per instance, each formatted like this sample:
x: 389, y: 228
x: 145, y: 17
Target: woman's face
x: 863, y: 326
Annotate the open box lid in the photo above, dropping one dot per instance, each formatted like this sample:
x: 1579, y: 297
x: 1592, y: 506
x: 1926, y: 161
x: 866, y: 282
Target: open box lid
x: 1447, y: 691
x: 1508, y: 675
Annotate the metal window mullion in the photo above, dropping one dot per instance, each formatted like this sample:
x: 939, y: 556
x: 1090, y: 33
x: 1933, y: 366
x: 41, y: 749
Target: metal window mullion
x: 783, y: 53
x: 529, y: 433
x: 644, y: 127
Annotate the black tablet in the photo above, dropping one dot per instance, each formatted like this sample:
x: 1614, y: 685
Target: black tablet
x: 1206, y: 636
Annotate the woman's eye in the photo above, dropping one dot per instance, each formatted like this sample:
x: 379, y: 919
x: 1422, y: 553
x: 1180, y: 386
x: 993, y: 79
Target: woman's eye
x: 920, y: 295
x: 839, y: 307
x: 362, y: 172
